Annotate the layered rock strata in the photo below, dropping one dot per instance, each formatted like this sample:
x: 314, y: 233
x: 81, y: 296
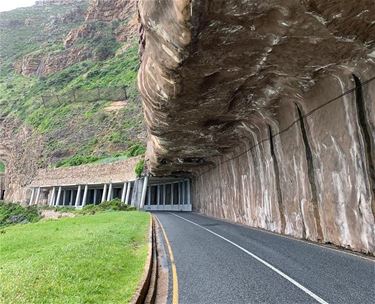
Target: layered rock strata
x: 20, y: 151
x: 75, y: 50
x: 269, y: 105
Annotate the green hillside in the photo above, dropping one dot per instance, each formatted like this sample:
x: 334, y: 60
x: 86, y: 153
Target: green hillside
x: 76, y: 109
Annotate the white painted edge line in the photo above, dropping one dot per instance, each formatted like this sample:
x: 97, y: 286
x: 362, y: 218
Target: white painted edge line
x: 279, y: 272
x: 307, y: 242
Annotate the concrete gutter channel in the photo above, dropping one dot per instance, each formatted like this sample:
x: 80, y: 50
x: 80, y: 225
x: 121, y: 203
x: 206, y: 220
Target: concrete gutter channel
x: 147, y: 291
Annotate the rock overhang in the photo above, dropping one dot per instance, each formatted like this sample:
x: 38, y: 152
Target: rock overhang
x: 213, y: 71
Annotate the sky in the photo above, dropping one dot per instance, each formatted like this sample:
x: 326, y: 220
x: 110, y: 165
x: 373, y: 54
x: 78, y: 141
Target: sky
x: 6, y: 5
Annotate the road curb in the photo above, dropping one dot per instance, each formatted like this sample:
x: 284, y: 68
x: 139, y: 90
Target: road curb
x: 146, y: 291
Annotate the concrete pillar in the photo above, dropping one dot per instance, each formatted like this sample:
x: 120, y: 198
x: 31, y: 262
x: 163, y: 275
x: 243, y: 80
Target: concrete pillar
x: 32, y: 196
x: 179, y: 194
x: 64, y: 198
x: 95, y: 196
x: 172, y: 194
x: 84, y: 199
x: 37, y: 196
x: 52, y: 198
x: 149, y: 196
x: 58, y: 197
x: 188, y: 193
x: 128, y: 193
x: 183, y: 193
x: 71, y: 198
x: 78, y: 196
x: 158, y: 195
x: 110, y: 192
x: 164, y: 194
x: 143, y: 197
x: 123, y: 193
x: 104, y: 196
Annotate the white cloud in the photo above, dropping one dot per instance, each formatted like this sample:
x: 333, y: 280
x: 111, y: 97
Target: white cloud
x: 6, y: 5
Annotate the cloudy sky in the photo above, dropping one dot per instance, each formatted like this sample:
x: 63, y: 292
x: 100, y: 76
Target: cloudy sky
x: 6, y: 5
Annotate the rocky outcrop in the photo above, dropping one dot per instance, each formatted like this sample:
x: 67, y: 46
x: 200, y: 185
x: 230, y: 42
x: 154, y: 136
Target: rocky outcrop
x: 270, y: 106
x: 110, y: 10
x: 76, y: 49
x: 40, y: 64
x: 57, y: 2
x: 122, y: 11
x: 20, y: 150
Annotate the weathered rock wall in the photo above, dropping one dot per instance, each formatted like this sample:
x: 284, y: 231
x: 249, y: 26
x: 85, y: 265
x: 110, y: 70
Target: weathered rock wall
x: 20, y: 150
x: 312, y: 181
x: 219, y: 77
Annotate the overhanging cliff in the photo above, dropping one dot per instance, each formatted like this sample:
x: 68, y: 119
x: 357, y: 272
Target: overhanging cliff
x: 270, y: 105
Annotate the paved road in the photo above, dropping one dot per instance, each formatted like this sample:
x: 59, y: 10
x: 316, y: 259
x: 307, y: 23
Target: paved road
x: 218, y: 262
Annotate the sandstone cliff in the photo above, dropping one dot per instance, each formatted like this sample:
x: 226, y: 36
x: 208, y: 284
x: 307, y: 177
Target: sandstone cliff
x: 21, y: 150
x: 84, y: 107
x: 102, y: 21
x: 270, y: 106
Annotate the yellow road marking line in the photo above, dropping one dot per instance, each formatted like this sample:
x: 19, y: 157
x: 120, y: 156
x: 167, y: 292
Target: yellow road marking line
x: 173, y: 265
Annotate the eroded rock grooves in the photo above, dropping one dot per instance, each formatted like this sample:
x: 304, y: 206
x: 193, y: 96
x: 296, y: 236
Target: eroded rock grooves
x: 216, y: 74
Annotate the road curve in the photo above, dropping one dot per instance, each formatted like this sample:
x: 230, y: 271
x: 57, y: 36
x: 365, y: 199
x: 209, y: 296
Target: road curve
x: 219, y: 262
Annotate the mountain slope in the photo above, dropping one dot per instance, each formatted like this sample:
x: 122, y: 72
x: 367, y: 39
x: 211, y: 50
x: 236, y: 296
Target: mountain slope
x: 68, y: 72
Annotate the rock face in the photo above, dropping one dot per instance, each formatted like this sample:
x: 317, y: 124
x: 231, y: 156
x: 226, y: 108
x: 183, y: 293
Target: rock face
x: 44, y: 64
x: 75, y: 50
x: 269, y: 105
x: 20, y: 150
x: 109, y: 10
x: 57, y: 2
x: 122, y: 11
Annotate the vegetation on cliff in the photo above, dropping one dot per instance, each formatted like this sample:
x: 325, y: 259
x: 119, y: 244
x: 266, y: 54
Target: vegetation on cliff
x: 66, y: 92
x: 88, y: 259
x: 11, y: 214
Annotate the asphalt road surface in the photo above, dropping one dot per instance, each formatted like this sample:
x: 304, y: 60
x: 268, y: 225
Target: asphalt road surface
x: 219, y: 262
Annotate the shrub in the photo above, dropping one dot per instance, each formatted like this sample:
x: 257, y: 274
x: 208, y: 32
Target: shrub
x: 11, y: 214
x: 136, y: 150
x: 77, y: 160
x: 139, y: 167
x: 113, y: 205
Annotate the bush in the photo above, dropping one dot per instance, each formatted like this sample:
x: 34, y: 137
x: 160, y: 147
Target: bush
x: 113, y: 205
x: 77, y: 161
x: 139, y: 167
x: 11, y: 214
x: 136, y: 150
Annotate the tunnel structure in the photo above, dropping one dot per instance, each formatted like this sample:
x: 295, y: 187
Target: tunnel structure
x: 269, y: 107
x: 77, y: 187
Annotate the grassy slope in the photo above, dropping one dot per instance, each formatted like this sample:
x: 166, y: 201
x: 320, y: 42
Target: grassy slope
x: 88, y: 259
x: 2, y: 167
x: 69, y: 128
x: 19, y: 38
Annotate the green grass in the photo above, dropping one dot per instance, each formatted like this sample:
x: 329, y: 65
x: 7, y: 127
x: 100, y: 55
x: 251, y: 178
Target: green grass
x: 2, y: 167
x: 88, y: 259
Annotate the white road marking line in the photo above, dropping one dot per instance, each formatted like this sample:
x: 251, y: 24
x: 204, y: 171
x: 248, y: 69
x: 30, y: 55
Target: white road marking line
x: 279, y: 272
x: 306, y: 242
